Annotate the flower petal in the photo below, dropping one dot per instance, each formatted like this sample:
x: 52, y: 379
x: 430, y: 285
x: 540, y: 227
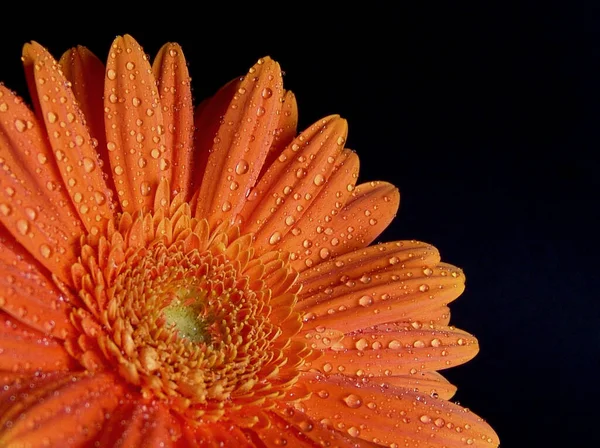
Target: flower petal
x: 86, y: 74
x: 425, y: 383
x: 364, y: 262
x: 170, y: 70
x: 26, y: 350
x: 135, y: 131
x: 400, y: 349
x: 34, y: 205
x: 290, y: 427
x: 242, y: 143
x: 71, y: 142
x: 207, y: 120
x: 68, y: 409
x: 310, y: 241
x: 136, y: 423
x: 214, y: 435
x: 370, y: 210
x: 397, y: 295
x: 293, y: 182
x: 286, y: 129
x: 28, y: 295
x: 394, y: 415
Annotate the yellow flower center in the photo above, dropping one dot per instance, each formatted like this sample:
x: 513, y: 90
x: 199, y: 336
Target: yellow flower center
x: 188, y: 314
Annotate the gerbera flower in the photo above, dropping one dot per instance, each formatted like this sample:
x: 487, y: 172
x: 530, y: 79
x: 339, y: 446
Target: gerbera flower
x: 181, y: 277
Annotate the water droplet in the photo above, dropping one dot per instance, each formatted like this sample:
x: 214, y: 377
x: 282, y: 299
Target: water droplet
x: 365, y: 301
x: 145, y: 188
x: 260, y: 111
x: 394, y: 260
x: 439, y: 422
x: 275, y: 238
x: 99, y: 198
x: 242, y: 167
x: 111, y: 146
x: 42, y: 158
x: 394, y: 344
x: 418, y: 344
x: 111, y: 74
x: 130, y: 65
x: 353, y: 431
x: 22, y: 226
x: 319, y: 180
x: 436, y: 343
x: 425, y: 419
x: 45, y: 251
x: 352, y: 401
x: 119, y: 170
x: 327, y: 367
x: 31, y: 214
x: 20, y: 125
x: 5, y: 209
x: 361, y: 344
x: 51, y: 117
x: 267, y: 93
x: 88, y: 165
x: 427, y: 272
x: 324, y: 253
x: 424, y: 288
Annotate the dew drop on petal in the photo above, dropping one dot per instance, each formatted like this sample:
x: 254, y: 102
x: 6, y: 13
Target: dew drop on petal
x: 45, y: 251
x: 275, y: 238
x: 88, y: 165
x: 22, y: 226
x: 267, y: 93
x: 365, y: 301
x: 352, y: 401
x: 319, y: 180
x: 241, y: 167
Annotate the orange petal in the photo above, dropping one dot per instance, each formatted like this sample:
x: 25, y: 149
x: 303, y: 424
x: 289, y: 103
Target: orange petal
x: 170, y: 70
x: 286, y: 129
x: 353, y: 266
x: 27, y: 350
x: 68, y: 410
x: 207, y: 120
x: 425, y: 383
x: 72, y: 143
x: 242, y: 143
x: 309, y: 240
x: 401, y: 349
x: 393, y: 296
x: 34, y: 205
x: 293, y: 182
x: 369, y: 211
x: 394, y: 416
x: 139, y: 424
x: 212, y: 435
x: 86, y: 72
x: 290, y: 427
x: 135, y: 131
x: 28, y: 295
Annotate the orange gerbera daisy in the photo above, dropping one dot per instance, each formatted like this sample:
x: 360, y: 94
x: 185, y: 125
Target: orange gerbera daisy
x: 181, y: 277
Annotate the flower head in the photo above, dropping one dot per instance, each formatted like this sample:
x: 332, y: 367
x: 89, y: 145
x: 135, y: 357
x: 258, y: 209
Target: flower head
x: 172, y: 276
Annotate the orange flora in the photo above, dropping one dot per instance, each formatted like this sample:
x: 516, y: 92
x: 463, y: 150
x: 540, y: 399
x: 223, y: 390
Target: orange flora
x: 180, y: 276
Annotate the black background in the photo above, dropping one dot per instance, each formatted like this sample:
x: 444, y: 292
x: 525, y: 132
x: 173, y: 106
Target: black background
x: 476, y: 113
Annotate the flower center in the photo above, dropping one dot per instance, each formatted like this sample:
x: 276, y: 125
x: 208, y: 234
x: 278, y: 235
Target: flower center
x: 188, y: 315
x: 191, y: 317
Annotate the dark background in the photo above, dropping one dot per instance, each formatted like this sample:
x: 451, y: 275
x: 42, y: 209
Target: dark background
x: 476, y: 113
